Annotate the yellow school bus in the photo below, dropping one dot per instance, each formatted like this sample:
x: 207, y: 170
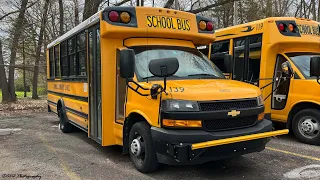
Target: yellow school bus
x: 132, y: 76
x: 259, y: 50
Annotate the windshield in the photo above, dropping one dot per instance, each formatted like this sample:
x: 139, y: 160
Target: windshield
x: 192, y: 63
x: 302, y: 61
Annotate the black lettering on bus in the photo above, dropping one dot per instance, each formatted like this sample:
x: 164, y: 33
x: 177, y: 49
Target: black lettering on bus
x: 149, y: 18
x: 159, y: 25
x: 164, y: 22
x: 179, y: 24
x: 188, y: 25
x: 168, y: 22
x: 154, y: 21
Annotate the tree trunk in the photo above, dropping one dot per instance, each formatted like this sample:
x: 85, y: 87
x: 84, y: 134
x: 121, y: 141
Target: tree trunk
x: 38, y: 51
x: 3, y: 78
x: 90, y: 8
x: 76, y: 12
x: 318, y: 10
x: 24, y: 71
x: 15, y: 40
x: 313, y: 8
x: 61, y: 20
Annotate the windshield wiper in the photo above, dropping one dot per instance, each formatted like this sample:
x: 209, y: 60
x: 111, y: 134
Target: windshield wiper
x: 148, y: 77
x: 202, y: 74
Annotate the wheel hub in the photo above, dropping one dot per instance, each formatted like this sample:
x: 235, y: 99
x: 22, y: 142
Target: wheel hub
x: 136, y: 147
x: 309, y: 127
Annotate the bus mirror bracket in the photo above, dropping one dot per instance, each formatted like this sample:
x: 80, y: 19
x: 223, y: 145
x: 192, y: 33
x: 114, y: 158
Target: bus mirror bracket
x: 228, y: 63
x: 127, y: 67
x: 315, y: 67
x: 164, y: 67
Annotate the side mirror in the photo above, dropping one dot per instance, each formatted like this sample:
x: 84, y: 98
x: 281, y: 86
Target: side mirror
x: 315, y: 66
x: 228, y: 63
x: 127, y: 63
x: 287, y: 68
x: 164, y: 67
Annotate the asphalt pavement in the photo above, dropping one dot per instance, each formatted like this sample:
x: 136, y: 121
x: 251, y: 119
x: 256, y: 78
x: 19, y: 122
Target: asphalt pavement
x: 35, y: 148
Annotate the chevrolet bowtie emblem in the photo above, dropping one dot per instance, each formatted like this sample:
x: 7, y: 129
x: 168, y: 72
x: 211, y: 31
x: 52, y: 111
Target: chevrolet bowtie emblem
x: 233, y: 113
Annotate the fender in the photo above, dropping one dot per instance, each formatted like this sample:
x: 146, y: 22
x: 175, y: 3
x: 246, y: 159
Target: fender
x: 126, y: 129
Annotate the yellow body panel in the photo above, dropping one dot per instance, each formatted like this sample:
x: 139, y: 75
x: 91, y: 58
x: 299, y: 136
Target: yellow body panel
x: 274, y: 43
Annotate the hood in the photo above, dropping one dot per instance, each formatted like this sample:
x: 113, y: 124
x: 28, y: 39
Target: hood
x: 208, y: 89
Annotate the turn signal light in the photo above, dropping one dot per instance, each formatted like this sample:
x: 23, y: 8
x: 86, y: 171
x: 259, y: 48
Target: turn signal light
x: 260, y: 116
x: 205, y: 26
x: 125, y: 17
x: 181, y: 123
x: 202, y: 25
x: 291, y: 27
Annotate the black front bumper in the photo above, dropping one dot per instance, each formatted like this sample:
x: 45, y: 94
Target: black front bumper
x: 174, y: 146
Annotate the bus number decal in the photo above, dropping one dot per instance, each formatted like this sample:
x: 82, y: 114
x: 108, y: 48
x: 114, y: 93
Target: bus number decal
x: 176, y: 89
x: 259, y: 27
x: 168, y: 23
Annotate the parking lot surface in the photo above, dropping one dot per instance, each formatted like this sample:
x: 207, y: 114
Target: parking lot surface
x: 36, y: 149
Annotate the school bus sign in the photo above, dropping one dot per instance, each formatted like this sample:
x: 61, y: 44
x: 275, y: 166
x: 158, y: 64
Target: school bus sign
x: 306, y: 29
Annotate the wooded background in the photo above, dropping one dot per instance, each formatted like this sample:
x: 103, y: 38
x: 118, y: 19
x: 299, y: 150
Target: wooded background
x: 27, y: 26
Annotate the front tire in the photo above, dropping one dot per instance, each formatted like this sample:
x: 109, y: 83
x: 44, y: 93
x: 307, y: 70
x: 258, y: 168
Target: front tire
x: 306, y: 126
x: 141, y: 149
x: 64, y: 125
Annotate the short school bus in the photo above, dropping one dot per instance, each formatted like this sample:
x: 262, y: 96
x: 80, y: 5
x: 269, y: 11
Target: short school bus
x: 133, y: 77
x: 259, y: 50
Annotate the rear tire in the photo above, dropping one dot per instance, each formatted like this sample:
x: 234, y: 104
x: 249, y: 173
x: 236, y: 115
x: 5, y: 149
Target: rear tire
x: 141, y: 149
x: 306, y: 126
x: 64, y: 125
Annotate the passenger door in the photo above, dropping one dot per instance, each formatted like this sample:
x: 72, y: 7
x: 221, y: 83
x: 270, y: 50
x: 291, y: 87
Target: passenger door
x: 95, y: 103
x: 281, y: 88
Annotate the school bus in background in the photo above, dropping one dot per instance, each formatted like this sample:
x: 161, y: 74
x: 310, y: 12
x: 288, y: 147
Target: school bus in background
x: 259, y: 50
x: 132, y: 76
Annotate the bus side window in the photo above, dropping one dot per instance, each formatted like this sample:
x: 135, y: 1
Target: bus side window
x: 57, y: 61
x: 72, y: 56
x: 51, y: 63
x: 218, y: 50
x: 81, y: 54
x: 254, y: 58
x: 239, y: 61
x: 64, y: 59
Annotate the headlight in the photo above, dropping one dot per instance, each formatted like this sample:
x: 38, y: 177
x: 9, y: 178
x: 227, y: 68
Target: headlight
x: 260, y: 101
x: 180, y: 105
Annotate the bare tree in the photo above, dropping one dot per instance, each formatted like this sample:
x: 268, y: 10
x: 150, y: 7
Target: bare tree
x: 38, y: 51
x: 90, y: 8
x: 16, y: 36
x: 3, y: 78
x: 76, y: 12
x: 61, y: 20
